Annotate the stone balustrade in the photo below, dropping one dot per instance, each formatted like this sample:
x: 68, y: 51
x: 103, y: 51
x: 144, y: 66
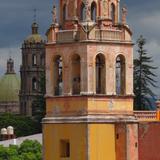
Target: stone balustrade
x: 97, y: 35
x: 67, y: 36
x: 109, y: 35
x: 140, y: 115
x: 146, y: 115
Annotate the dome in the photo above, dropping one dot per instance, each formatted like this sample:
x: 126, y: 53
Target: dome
x: 34, y: 37
x: 9, y: 88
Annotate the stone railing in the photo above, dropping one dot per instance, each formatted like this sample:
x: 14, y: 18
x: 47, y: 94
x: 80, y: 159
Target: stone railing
x: 67, y: 36
x: 140, y: 115
x: 146, y: 115
x: 100, y: 35
x: 109, y: 35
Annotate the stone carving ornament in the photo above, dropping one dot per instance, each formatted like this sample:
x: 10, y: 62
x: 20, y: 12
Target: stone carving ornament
x: 54, y: 14
x: 87, y: 10
x: 105, y: 7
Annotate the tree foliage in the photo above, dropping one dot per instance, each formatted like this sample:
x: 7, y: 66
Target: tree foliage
x: 144, y: 78
x: 23, y: 126
x: 28, y: 150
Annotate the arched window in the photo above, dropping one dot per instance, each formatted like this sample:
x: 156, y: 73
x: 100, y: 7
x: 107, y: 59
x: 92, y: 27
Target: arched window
x: 113, y: 12
x: 100, y: 74
x: 34, y: 59
x: 34, y: 84
x: 120, y: 75
x: 57, y: 75
x: 93, y: 11
x: 64, y: 12
x: 76, y: 74
x: 42, y: 60
x: 83, y: 14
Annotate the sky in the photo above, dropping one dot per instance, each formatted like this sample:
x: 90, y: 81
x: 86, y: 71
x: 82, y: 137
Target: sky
x: 16, y: 17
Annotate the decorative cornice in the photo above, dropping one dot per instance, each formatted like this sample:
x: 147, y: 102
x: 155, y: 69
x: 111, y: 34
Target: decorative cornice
x: 90, y: 119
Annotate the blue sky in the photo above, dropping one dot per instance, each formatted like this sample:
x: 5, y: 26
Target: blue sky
x: 17, y: 15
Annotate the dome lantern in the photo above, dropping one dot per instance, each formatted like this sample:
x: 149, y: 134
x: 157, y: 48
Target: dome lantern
x: 10, y: 66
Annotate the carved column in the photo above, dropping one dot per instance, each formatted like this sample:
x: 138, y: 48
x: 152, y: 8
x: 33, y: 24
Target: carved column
x: 118, y: 3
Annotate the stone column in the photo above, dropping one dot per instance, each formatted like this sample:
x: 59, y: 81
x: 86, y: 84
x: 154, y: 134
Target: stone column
x: 118, y: 7
x: 84, y: 78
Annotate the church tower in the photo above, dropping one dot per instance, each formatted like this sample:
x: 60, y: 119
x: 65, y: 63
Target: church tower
x: 32, y: 68
x: 89, y: 89
x: 10, y: 85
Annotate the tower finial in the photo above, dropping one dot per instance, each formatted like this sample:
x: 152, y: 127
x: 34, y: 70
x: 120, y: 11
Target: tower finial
x: 54, y: 15
x: 124, y: 14
x: 34, y: 24
x: 35, y: 15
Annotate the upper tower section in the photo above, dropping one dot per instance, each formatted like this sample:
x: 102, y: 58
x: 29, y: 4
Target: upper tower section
x: 98, y: 20
x: 89, y: 10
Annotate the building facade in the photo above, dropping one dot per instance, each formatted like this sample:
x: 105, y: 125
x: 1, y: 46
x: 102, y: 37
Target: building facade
x: 9, y: 90
x: 89, y: 89
x: 31, y: 70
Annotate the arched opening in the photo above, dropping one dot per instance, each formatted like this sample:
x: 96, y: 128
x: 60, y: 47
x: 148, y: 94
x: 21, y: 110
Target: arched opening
x: 76, y: 74
x: 93, y: 11
x: 120, y: 75
x: 57, y: 75
x: 34, y: 60
x: 34, y: 84
x: 82, y: 12
x: 113, y: 12
x: 64, y: 12
x: 100, y: 74
x: 42, y: 60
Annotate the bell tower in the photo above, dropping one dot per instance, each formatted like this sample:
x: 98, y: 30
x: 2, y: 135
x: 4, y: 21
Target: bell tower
x: 89, y: 90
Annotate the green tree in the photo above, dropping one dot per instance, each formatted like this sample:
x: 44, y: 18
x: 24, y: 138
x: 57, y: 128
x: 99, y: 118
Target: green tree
x: 144, y: 78
x: 23, y: 126
x: 28, y: 150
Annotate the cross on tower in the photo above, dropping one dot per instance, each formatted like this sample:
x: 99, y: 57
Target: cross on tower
x: 35, y: 15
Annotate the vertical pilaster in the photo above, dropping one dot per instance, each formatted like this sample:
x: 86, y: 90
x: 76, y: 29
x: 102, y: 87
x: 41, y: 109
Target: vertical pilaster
x: 84, y: 77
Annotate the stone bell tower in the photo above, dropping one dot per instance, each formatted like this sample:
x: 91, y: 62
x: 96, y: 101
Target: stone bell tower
x: 31, y: 70
x: 89, y: 90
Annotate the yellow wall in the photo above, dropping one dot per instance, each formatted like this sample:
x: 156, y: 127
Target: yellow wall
x: 102, y: 142
x: 95, y: 141
x: 81, y: 104
x: 53, y: 133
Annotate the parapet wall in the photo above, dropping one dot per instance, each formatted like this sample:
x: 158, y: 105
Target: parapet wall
x: 149, y: 140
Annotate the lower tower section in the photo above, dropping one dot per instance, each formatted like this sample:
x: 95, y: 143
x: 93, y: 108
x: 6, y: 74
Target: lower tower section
x: 90, y: 137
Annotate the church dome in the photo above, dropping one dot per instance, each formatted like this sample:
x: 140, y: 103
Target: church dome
x: 35, y: 37
x: 9, y: 85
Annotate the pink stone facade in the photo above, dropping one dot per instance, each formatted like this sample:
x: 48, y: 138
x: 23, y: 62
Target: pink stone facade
x: 87, y: 53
